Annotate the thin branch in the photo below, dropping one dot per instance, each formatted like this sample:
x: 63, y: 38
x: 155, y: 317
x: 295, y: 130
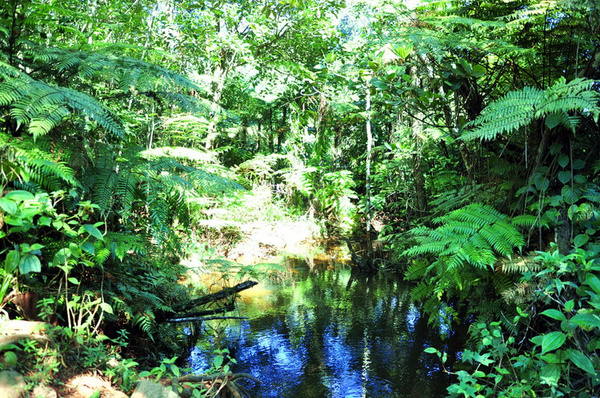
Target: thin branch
x: 202, y: 319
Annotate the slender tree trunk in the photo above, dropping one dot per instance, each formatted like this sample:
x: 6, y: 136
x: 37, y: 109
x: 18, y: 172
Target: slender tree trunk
x: 417, y: 170
x: 220, y: 76
x: 369, y: 259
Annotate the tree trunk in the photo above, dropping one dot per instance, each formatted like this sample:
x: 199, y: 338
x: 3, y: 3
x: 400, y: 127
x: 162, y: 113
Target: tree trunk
x: 369, y: 259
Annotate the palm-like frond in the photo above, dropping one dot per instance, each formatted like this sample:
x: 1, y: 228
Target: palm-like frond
x: 42, y: 106
x: 128, y: 73
x: 519, y: 108
x: 474, y: 235
x: 137, y: 183
x: 22, y: 160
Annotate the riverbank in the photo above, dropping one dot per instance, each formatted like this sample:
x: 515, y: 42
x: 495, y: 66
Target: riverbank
x: 256, y: 241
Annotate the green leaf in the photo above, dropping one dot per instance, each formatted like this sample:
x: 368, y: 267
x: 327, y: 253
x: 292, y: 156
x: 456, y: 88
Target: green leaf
x: 29, y: 263
x: 11, y: 262
x: 563, y: 161
x: 10, y: 358
x: 580, y: 240
x: 8, y: 206
x: 106, y: 308
x: 75, y: 250
x: 593, y: 281
x: 569, y: 305
x: 18, y: 196
x: 88, y: 247
x: 74, y: 281
x: 581, y: 361
x: 552, y: 341
x: 44, y: 221
x: 95, y: 394
x: 586, y: 321
x: 95, y: 232
x: 550, y: 373
x: 578, y: 164
x: 217, y: 362
x: 542, y: 183
x: 478, y: 71
x: 61, y: 257
x: 569, y: 195
x: 431, y: 350
x: 564, y: 176
x: 555, y: 314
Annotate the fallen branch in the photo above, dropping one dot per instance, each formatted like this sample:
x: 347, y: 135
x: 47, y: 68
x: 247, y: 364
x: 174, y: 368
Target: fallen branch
x: 229, y: 307
x: 201, y: 318
x: 228, y: 291
x: 217, y: 377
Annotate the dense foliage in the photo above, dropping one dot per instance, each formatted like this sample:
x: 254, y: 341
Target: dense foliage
x: 463, y: 136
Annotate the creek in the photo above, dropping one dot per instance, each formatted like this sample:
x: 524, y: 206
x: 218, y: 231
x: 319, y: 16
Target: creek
x: 320, y: 329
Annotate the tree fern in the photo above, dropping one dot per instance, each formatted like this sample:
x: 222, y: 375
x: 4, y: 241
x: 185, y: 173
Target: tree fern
x: 129, y: 73
x: 475, y: 235
x: 28, y: 164
x: 463, y: 251
x: 519, y: 108
x: 138, y: 185
x: 42, y: 106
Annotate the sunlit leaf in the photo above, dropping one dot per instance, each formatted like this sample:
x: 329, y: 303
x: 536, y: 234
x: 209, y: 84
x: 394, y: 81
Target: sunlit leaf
x: 29, y: 263
x: 552, y: 341
x: 8, y: 206
x: 555, y: 314
x: 581, y: 361
x: 593, y: 281
x: 586, y: 321
x: 92, y: 230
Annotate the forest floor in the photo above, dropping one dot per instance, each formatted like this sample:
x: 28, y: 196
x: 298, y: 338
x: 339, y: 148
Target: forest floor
x: 265, y: 240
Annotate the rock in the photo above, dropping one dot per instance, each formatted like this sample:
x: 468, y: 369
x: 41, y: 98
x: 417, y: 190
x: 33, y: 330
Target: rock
x: 85, y: 386
x: 12, y: 331
x: 12, y: 384
x: 44, y: 392
x: 149, y: 389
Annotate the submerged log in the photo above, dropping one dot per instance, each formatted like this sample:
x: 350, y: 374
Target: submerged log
x: 181, y: 311
x: 364, y: 264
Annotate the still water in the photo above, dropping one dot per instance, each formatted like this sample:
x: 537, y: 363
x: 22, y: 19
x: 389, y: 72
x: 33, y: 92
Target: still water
x: 320, y: 330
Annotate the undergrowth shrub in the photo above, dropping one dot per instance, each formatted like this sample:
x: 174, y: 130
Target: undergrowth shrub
x: 549, y: 346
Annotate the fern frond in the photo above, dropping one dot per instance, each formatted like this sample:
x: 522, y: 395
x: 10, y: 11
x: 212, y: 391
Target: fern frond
x: 42, y: 107
x: 8, y: 71
x: 104, y: 187
x: 109, y: 66
x: 507, y: 114
x: 27, y: 161
x: 502, y: 281
x: 519, y: 265
x: 475, y: 235
x: 519, y: 108
x: 416, y: 270
x: 421, y: 290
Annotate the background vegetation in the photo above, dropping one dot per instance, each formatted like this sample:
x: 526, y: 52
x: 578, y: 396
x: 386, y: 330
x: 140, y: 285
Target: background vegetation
x: 462, y: 136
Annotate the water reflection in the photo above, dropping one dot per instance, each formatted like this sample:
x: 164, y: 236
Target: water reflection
x: 326, y: 332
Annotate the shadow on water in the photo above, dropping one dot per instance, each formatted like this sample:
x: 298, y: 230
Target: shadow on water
x: 326, y: 331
